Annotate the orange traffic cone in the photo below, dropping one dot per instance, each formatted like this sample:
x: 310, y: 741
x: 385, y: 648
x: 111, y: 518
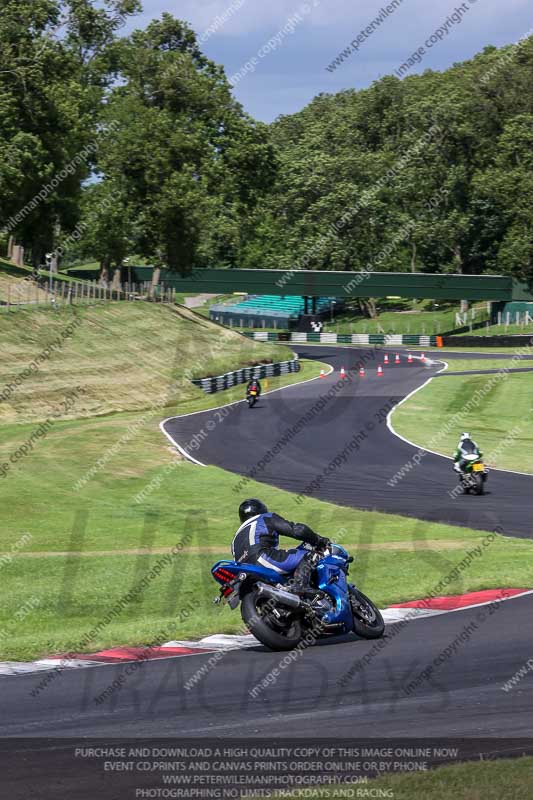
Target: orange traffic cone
x: 362, y: 372
x: 380, y: 371
x: 422, y: 357
x: 409, y: 359
x: 386, y: 359
x: 397, y: 359
x: 322, y: 373
x: 343, y: 372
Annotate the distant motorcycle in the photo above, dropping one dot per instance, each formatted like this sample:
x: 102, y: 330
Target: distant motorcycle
x: 281, y: 618
x: 252, y: 396
x: 474, y: 475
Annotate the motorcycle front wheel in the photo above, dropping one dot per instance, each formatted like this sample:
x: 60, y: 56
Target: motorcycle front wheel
x: 480, y: 485
x: 367, y: 620
x: 260, y: 618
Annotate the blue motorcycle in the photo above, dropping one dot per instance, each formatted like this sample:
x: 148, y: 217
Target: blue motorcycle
x: 281, y: 618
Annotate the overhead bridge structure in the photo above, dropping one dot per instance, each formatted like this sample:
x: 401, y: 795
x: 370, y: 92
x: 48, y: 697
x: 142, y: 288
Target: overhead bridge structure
x: 317, y: 283
x: 331, y: 283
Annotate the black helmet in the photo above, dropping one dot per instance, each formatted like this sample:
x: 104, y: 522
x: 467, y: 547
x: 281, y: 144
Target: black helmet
x: 251, y: 508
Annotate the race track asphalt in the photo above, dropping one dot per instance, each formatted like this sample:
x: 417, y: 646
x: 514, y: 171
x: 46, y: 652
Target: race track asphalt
x: 436, y: 678
x: 375, y: 468
x: 322, y: 695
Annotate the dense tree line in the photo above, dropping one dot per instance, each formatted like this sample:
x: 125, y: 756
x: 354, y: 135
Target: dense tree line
x: 55, y: 68
x: 174, y: 162
x: 134, y: 144
x: 432, y: 173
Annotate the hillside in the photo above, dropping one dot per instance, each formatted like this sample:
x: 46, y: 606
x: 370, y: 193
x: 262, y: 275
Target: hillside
x: 15, y: 289
x: 123, y: 356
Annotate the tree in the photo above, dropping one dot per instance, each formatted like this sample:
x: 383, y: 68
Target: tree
x: 188, y: 159
x: 361, y: 184
x: 505, y: 196
x: 54, y: 69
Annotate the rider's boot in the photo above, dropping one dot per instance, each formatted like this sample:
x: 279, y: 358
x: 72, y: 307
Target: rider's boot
x: 302, y: 574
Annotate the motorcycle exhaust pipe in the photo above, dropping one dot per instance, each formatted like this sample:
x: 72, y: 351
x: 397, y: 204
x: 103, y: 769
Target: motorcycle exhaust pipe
x: 284, y: 598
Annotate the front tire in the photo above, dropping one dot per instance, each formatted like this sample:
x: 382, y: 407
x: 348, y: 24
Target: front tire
x: 367, y: 620
x: 480, y: 485
x: 266, y: 627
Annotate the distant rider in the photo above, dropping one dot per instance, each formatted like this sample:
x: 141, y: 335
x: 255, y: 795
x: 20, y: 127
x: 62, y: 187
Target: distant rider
x: 466, y: 447
x: 254, y: 383
x: 257, y: 540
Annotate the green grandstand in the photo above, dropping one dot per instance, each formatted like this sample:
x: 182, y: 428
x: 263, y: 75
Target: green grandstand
x: 272, y: 310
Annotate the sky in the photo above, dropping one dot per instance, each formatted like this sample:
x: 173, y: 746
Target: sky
x: 277, y: 51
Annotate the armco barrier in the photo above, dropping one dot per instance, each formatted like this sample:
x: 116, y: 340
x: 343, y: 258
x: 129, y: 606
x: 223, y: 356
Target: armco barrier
x: 221, y: 382
x: 520, y: 340
x: 389, y: 340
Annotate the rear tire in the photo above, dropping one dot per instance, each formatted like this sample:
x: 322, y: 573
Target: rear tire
x: 367, y: 620
x: 480, y: 486
x: 266, y: 628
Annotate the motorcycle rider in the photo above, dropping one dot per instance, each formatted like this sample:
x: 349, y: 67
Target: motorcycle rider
x: 257, y: 540
x: 466, y: 447
x: 254, y: 383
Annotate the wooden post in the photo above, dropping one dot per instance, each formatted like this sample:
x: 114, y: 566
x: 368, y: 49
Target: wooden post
x: 8, y: 295
x: 156, y: 277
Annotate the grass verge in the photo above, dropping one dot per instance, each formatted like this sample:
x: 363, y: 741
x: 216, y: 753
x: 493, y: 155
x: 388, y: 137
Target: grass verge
x: 123, y: 356
x: 486, y: 780
x: 495, y: 409
x: 473, y: 365
x: 501, y: 330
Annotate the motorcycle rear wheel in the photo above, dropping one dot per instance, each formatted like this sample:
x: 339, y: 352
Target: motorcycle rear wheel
x: 367, y: 620
x: 266, y: 627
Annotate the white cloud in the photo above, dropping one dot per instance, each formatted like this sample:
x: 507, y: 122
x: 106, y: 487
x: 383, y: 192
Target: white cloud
x: 254, y: 16
x: 296, y: 70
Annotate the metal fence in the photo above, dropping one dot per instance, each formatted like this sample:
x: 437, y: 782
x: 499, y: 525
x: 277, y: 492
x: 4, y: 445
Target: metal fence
x: 30, y: 293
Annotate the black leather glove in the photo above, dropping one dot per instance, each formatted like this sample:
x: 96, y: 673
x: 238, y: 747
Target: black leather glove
x: 324, y: 543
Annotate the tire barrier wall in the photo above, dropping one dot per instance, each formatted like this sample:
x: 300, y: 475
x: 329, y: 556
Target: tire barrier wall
x: 221, y: 382
x: 345, y: 338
